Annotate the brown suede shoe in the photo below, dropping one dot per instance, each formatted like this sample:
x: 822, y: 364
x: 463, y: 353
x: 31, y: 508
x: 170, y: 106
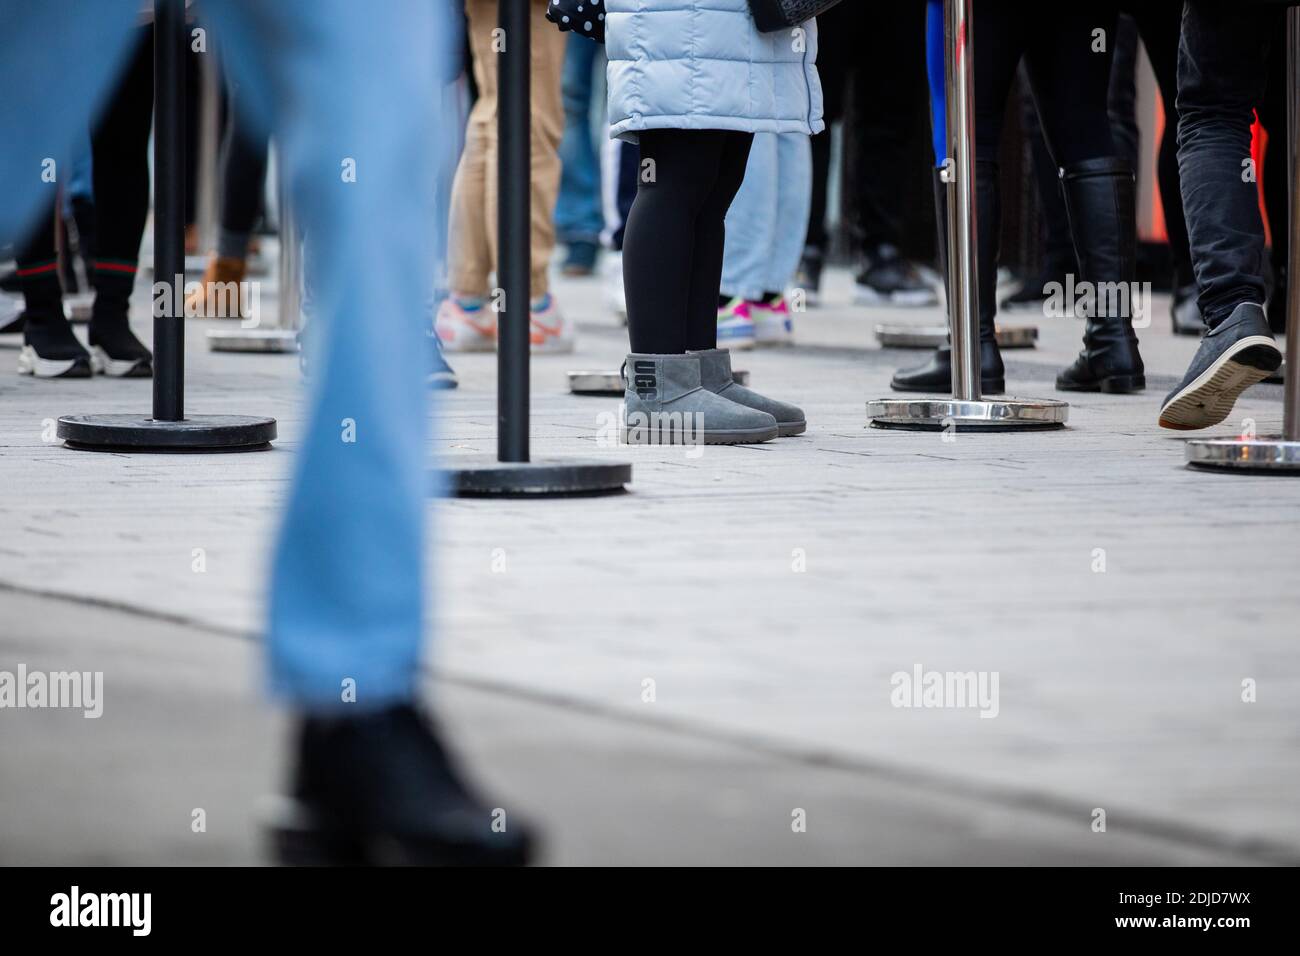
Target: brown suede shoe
x: 221, y: 296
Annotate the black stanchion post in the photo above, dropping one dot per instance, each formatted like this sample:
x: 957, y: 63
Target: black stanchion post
x: 169, y: 211
x: 513, y: 473
x: 167, y: 429
x: 514, y: 245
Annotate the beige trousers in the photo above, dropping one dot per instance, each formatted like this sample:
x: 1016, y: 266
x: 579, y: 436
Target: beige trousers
x: 473, y: 252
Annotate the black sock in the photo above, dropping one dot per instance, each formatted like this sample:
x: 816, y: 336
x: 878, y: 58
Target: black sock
x: 42, y: 293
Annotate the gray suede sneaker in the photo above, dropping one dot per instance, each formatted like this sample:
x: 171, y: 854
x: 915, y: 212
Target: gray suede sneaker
x: 1234, y: 355
x: 665, y: 404
x: 716, y: 377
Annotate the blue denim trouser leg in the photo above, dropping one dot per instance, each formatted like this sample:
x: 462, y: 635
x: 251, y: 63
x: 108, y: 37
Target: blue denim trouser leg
x: 578, y: 214
x: 355, y: 106
x: 349, y: 87
x: 1221, y: 77
x: 767, y: 221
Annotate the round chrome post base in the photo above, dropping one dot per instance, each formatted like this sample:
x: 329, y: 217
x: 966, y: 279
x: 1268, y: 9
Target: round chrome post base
x: 482, y: 477
x: 139, y: 433
x: 252, y: 340
x: 895, y: 335
x: 987, y: 415
x: 611, y: 383
x: 1269, y: 453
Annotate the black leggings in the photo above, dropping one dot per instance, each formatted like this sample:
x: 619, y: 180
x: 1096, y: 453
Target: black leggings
x: 675, y: 238
x: 1068, y: 77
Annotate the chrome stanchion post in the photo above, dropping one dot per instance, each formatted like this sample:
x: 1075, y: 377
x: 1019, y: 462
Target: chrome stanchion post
x: 1274, y: 453
x: 959, y: 109
x: 959, y: 175
x: 513, y: 473
x: 966, y: 409
x: 168, y: 428
x: 280, y: 335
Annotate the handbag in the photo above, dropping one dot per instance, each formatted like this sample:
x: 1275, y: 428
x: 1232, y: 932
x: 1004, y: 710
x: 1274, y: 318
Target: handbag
x: 773, y: 15
x: 584, y: 17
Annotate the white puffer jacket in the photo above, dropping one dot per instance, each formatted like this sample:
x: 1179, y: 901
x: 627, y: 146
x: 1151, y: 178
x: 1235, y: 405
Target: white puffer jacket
x: 702, y: 64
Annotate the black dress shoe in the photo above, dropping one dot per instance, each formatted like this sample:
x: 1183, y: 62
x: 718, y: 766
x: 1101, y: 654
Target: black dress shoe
x: 379, y: 789
x: 1233, y: 356
x: 935, y: 376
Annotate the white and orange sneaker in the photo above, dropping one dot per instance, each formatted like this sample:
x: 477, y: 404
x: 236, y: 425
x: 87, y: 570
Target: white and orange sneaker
x: 466, y: 324
x: 549, y: 332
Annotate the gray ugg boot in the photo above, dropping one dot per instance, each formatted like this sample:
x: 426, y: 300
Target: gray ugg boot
x: 716, y: 377
x: 665, y: 404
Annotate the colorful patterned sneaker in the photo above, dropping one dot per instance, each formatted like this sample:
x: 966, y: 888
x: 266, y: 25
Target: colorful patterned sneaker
x: 772, y: 322
x: 735, y: 325
x: 465, y: 324
x: 549, y: 331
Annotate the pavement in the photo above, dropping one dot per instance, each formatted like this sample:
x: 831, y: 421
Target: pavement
x: 671, y: 675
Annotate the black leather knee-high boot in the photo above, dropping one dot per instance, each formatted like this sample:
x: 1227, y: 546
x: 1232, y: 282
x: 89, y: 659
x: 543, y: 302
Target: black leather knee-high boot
x: 1100, y: 199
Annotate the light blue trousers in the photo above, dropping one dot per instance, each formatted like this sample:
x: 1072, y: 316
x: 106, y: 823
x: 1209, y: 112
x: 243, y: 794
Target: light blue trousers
x: 350, y: 90
x: 768, y: 221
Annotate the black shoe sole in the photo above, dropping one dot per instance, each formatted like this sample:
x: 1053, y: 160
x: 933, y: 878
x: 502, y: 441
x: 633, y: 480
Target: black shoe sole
x: 1114, y: 385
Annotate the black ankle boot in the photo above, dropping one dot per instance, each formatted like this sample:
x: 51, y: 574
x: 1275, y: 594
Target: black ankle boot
x: 379, y: 789
x: 936, y: 374
x: 1099, y: 198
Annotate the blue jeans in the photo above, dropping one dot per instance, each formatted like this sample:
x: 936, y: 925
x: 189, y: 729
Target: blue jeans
x: 769, y: 217
x: 1221, y: 74
x: 578, y: 213
x: 337, y: 81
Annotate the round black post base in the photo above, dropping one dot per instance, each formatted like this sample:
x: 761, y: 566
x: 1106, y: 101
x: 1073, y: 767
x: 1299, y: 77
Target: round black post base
x: 476, y: 477
x: 139, y: 433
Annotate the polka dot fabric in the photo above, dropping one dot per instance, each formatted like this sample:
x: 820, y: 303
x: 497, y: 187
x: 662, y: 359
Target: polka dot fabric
x: 585, y: 17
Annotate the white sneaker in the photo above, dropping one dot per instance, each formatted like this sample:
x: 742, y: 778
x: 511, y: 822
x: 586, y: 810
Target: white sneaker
x: 772, y: 323
x: 615, y: 295
x: 549, y: 331
x: 465, y: 325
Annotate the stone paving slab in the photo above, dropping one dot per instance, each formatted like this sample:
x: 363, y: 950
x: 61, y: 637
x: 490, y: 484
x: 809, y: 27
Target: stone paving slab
x: 1119, y: 689
x: 184, y: 729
